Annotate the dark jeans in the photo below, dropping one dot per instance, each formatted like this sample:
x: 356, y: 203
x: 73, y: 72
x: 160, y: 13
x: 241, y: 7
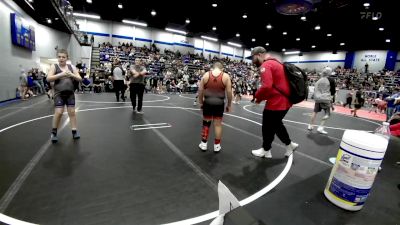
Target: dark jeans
x: 389, y: 113
x: 137, y: 90
x: 254, y: 94
x: 348, y: 102
x: 271, y: 125
x: 119, y: 87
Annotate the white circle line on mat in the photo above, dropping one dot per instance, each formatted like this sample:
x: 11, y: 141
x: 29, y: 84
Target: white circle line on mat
x: 194, y: 220
x: 186, y: 97
x: 296, y: 122
x: 9, y: 220
x: 166, y: 98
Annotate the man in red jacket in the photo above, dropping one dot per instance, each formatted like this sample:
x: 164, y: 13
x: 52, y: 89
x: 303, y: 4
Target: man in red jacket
x: 274, y: 90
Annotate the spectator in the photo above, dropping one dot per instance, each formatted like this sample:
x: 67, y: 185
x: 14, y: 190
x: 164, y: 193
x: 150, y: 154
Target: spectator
x: 332, y: 85
x: 23, y: 82
x: 254, y: 86
x: 358, y: 102
x: 96, y: 85
x: 323, y: 100
x: 349, y: 98
x: 382, y: 88
x: 137, y: 85
x: 38, y: 82
x: 108, y: 85
x: 272, y: 77
x: 238, y: 93
x: 391, y: 100
x: 85, y: 39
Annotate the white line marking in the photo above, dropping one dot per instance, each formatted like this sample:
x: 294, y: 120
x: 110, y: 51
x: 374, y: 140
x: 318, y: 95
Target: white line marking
x: 206, y: 216
x: 148, y: 128
x: 366, y: 120
x: 260, y: 138
x: 9, y: 108
x: 145, y: 125
x: 17, y: 184
x: 128, y: 102
x: 296, y: 106
x: 22, y: 109
x: 12, y: 221
x: 214, y: 214
x: 207, y: 179
x: 186, y: 97
x: 245, y: 201
x: 270, y: 186
x: 296, y: 122
x: 28, y: 121
x: 274, y: 143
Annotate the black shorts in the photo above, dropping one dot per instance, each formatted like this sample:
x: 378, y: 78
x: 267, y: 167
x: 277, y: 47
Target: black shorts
x: 213, y: 112
x: 357, y: 106
x: 322, y: 106
x: 64, y: 99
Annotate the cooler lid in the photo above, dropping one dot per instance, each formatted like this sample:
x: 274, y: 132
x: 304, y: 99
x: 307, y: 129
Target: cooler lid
x: 365, y: 140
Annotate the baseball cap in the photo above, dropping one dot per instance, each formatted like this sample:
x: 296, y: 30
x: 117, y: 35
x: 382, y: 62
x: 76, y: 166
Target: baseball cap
x: 255, y: 51
x: 258, y: 50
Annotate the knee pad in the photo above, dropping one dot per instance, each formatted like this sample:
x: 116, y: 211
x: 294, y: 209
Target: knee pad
x: 206, y: 129
x: 206, y: 123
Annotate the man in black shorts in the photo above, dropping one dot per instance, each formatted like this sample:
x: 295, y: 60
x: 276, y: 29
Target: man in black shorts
x: 154, y: 84
x: 63, y: 75
x: 254, y: 87
x: 212, y: 89
x: 323, y: 100
x: 332, y: 84
x: 118, y: 77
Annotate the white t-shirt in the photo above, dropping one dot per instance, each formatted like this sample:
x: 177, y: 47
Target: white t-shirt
x: 186, y: 77
x: 118, y: 74
x: 180, y: 85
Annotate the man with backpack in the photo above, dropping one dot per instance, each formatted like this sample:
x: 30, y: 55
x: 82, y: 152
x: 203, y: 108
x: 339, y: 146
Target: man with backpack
x: 276, y: 90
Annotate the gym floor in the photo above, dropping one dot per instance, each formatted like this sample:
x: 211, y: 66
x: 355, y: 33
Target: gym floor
x: 123, y: 172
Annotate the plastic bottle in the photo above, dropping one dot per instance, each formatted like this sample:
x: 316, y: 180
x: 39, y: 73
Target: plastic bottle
x: 383, y: 130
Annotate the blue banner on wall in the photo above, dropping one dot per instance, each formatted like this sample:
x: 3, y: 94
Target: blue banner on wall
x: 391, y: 60
x: 22, y: 34
x: 349, y: 61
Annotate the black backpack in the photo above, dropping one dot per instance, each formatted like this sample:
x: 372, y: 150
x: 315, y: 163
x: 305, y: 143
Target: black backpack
x: 298, y: 82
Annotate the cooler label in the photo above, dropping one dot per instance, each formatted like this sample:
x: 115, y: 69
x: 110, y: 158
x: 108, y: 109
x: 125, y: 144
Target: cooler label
x: 353, y: 177
x: 348, y: 193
